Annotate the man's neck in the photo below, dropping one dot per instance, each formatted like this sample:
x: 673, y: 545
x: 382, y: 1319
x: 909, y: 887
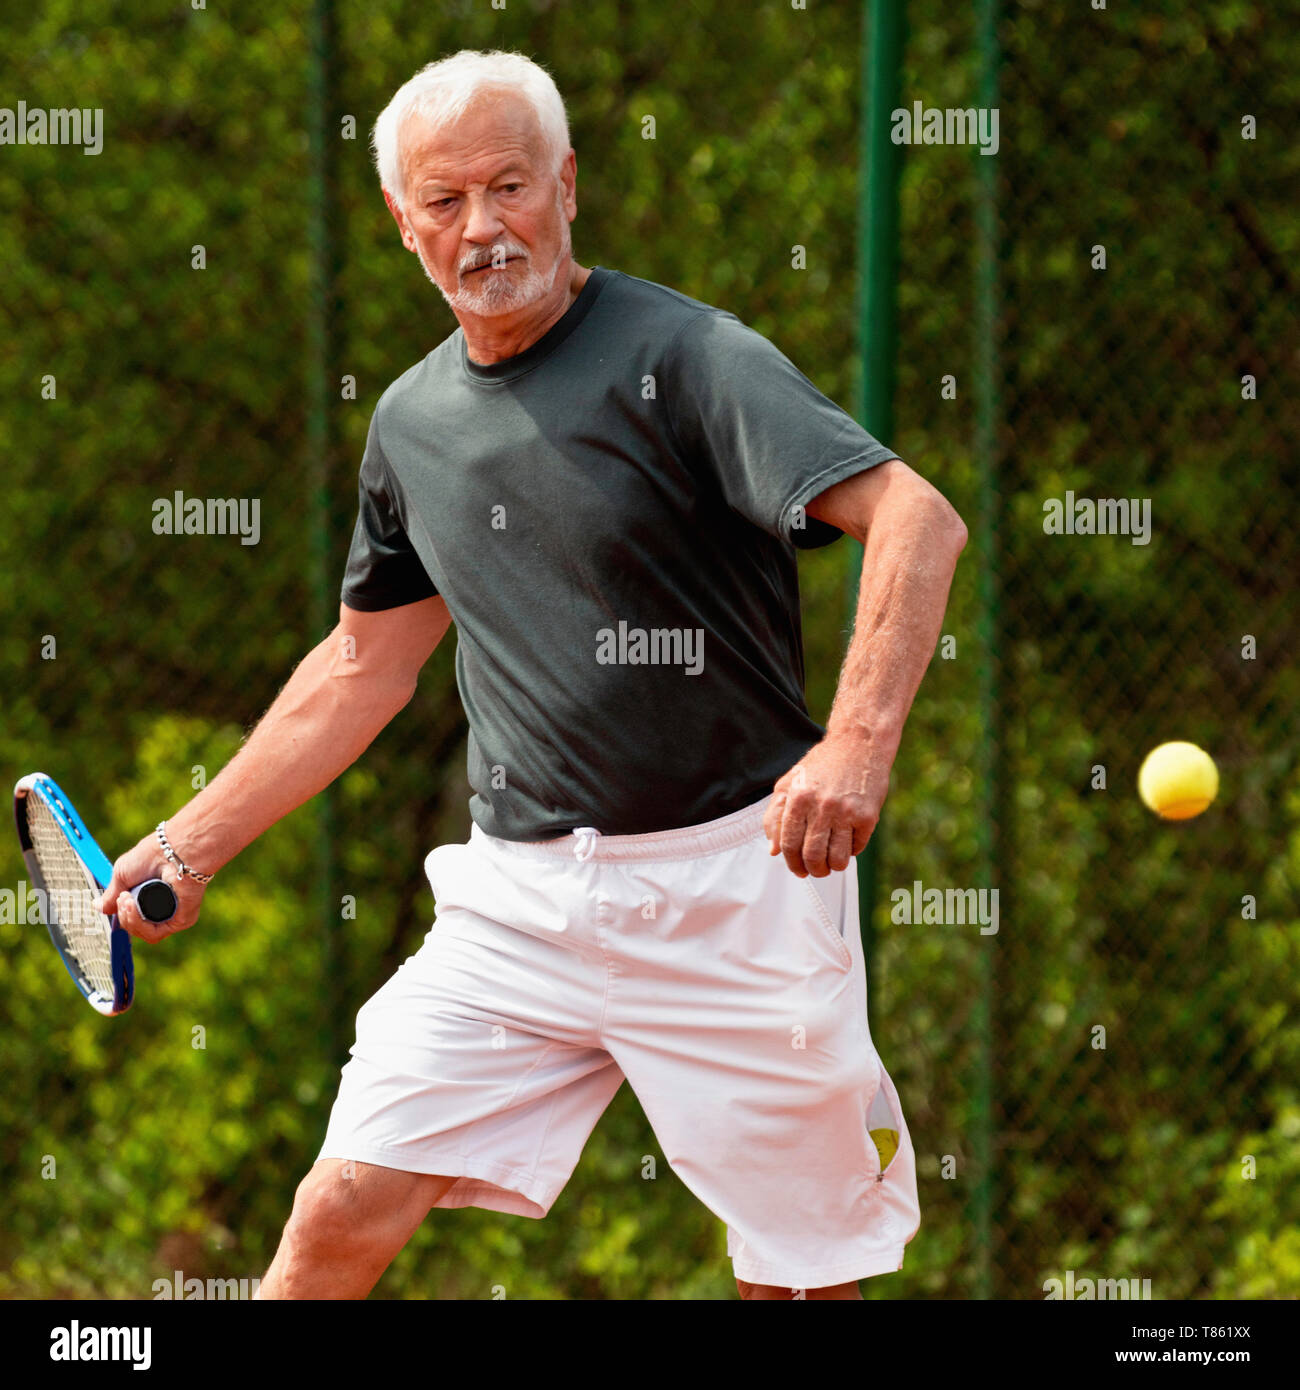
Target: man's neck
x: 489, y: 340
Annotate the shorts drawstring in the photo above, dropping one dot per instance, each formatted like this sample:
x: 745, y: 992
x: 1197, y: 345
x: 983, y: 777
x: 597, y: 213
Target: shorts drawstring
x: 587, y: 836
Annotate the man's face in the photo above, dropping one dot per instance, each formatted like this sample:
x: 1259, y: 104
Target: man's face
x: 485, y: 212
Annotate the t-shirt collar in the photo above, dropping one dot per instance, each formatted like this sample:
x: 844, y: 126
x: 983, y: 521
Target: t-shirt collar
x: 511, y: 367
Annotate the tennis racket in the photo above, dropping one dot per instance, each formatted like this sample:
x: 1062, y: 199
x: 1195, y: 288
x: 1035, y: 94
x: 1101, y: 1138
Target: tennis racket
x: 70, y: 870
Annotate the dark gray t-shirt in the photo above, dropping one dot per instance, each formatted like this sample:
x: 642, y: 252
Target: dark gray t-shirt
x: 611, y: 517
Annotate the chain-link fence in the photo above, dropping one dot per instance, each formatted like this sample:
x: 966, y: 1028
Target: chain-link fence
x: 1139, y: 1041
x: 211, y: 307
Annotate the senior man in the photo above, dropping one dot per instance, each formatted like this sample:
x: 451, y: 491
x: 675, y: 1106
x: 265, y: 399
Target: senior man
x: 602, y: 483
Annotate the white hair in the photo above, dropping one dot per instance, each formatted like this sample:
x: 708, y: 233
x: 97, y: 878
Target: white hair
x: 441, y: 92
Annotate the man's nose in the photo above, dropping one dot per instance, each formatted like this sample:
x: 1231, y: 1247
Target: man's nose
x: 483, y: 223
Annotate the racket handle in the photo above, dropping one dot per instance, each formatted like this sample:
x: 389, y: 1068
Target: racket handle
x: 156, y: 900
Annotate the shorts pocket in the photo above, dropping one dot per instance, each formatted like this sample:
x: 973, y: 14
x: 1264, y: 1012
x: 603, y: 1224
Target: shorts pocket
x: 830, y: 919
x: 885, y: 1124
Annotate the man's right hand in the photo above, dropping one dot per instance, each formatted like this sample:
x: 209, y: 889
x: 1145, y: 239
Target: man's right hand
x: 144, y: 862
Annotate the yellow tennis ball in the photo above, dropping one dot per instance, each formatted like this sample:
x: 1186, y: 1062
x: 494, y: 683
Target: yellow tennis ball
x: 886, y: 1142
x: 1178, y: 780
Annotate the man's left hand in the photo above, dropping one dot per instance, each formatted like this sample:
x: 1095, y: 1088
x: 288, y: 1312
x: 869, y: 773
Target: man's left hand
x: 825, y: 808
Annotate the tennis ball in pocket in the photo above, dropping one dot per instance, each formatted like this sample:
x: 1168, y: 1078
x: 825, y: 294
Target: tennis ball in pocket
x: 1178, y: 780
x: 886, y: 1142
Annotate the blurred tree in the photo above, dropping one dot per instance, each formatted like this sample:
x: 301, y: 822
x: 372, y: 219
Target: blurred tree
x: 1120, y: 128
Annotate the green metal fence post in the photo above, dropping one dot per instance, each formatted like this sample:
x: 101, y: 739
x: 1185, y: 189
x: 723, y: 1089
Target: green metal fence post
x: 321, y: 448
x: 880, y: 162
x: 991, y: 751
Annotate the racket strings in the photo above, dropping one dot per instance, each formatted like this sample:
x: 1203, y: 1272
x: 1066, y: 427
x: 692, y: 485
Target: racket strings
x: 69, y: 905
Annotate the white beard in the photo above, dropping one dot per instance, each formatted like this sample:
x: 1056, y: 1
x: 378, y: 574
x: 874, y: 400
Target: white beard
x: 505, y: 291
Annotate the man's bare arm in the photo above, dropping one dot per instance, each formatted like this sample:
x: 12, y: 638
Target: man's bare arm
x: 341, y: 695
x: 826, y: 807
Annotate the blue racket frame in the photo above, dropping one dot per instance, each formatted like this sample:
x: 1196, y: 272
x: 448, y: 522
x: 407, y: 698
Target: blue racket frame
x: 98, y: 869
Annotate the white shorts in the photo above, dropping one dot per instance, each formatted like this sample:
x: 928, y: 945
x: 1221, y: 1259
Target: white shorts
x: 731, y: 995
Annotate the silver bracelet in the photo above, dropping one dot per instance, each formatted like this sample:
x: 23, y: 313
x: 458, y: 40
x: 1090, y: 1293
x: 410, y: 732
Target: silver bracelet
x: 170, y: 854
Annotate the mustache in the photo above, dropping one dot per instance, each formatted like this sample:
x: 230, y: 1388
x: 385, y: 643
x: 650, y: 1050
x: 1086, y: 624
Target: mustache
x: 478, y: 261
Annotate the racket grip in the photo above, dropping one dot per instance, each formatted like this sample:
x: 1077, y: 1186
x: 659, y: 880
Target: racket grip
x: 156, y: 900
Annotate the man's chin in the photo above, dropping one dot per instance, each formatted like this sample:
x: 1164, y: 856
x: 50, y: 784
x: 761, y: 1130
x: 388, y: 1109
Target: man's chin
x: 489, y: 307
x: 499, y: 298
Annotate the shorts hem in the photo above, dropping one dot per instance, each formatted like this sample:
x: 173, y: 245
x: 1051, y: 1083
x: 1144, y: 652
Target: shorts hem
x: 479, y: 1182
x: 888, y: 1261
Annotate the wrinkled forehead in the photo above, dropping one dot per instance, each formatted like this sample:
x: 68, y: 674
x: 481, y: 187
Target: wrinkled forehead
x: 498, y: 127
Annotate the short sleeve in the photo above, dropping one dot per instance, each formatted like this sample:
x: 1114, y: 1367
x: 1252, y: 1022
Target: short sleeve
x: 383, y: 569
x: 769, y: 436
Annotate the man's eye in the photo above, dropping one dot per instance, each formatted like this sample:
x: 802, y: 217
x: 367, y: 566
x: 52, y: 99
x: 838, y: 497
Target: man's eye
x: 511, y: 187
x: 442, y: 203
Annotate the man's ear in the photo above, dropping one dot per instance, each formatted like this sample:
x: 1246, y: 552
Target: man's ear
x: 408, y: 239
x: 569, y: 183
